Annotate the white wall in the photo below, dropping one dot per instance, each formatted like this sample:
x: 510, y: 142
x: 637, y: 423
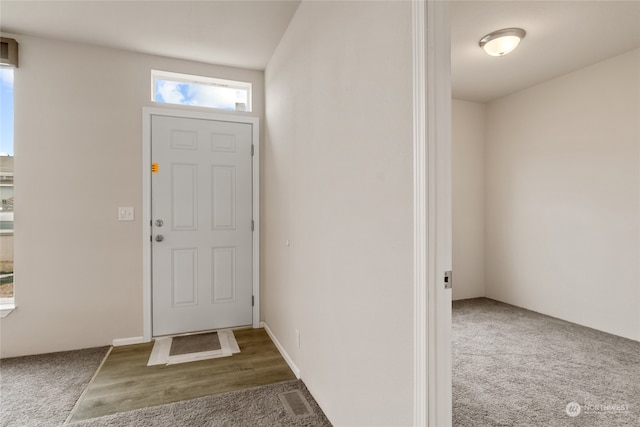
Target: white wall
x: 78, y: 126
x: 562, y: 197
x: 468, y: 135
x: 338, y: 186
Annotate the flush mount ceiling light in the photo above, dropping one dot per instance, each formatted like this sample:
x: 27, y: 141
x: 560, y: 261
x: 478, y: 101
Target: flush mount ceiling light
x: 501, y: 42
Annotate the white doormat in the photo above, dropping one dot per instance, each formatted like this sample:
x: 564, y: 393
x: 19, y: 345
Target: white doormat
x: 223, y: 341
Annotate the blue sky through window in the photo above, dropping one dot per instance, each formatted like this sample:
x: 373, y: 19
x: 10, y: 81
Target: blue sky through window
x: 200, y: 95
x: 6, y: 111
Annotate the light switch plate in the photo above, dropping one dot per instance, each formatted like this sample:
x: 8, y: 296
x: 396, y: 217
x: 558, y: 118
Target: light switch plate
x: 125, y: 214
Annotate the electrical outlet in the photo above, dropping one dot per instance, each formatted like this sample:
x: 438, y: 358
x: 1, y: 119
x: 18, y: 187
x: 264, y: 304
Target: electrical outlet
x: 125, y: 214
x: 298, y: 338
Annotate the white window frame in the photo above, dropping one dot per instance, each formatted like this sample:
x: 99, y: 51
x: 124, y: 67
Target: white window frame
x: 201, y: 80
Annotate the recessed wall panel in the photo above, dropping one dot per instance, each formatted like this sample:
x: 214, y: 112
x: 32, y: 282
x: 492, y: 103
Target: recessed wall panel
x: 184, y: 139
x: 224, y: 274
x: 184, y: 267
x: 184, y: 200
x: 223, y: 143
x: 223, y: 200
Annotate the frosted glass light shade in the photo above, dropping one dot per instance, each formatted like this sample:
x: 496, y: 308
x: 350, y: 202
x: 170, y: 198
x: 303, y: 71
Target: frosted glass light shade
x: 501, y: 42
x: 501, y: 45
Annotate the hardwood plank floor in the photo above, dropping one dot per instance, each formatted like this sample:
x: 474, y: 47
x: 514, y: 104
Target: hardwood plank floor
x: 125, y: 382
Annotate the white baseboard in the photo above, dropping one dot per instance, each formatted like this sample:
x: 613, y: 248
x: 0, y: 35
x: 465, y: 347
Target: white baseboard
x: 283, y: 352
x: 128, y: 341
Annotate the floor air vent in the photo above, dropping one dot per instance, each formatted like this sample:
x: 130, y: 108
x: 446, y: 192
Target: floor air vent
x: 296, y: 404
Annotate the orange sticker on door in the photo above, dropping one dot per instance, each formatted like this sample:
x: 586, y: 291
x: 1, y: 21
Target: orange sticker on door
x: 154, y: 168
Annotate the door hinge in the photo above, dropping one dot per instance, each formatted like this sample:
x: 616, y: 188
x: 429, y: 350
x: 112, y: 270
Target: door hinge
x: 253, y: 149
x: 253, y: 300
x: 447, y: 280
x: 253, y: 225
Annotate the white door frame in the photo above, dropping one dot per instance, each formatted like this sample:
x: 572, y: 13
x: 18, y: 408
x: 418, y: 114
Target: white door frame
x: 432, y: 213
x: 147, y: 112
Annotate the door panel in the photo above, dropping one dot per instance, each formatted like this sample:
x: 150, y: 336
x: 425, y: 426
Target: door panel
x: 184, y: 269
x: 184, y: 200
x: 223, y: 183
x: 202, y: 193
x: 224, y: 281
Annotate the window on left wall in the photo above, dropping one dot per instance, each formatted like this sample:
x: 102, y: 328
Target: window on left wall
x: 6, y: 186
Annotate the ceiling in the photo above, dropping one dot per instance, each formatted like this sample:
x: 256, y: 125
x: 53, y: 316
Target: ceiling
x: 562, y: 36
x: 235, y: 33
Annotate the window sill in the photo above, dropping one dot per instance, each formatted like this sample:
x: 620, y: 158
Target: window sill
x: 6, y: 309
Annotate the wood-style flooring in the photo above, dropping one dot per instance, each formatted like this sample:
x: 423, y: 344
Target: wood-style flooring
x: 125, y: 382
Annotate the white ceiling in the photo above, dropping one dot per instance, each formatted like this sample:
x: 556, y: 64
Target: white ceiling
x: 236, y: 33
x: 562, y: 36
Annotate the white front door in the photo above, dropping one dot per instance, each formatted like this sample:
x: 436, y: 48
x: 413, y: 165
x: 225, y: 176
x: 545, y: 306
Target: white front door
x: 201, y: 214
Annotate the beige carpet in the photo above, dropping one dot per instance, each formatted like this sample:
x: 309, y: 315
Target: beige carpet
x: 514, y: 367
x: 255, y: 407
x: 42, y: 390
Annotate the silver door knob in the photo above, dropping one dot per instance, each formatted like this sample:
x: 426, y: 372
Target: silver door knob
x: 159, y: 223
x: 159, y: 238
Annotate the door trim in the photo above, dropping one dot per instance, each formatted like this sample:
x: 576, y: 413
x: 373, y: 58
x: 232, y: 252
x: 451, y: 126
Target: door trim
x: 432, y: 213
x: 147, y: 112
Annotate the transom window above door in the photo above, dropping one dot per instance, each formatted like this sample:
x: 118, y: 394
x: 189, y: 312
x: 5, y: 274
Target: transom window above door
x: 199, y: 91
